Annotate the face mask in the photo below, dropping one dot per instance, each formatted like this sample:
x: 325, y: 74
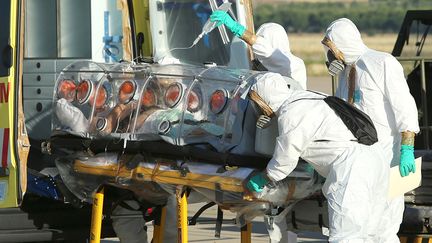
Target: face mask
x: 334, y: 66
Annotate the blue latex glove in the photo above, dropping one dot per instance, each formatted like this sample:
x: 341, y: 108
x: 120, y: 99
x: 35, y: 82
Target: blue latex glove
x: 257, y: 183
x: 222, y: 17
x: 407, y: 163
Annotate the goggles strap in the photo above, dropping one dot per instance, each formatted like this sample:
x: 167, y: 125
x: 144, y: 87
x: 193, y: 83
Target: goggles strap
x: 331, y: 45
x: 266, y: 109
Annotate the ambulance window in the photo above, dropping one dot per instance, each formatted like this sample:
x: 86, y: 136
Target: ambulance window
x: 57, y: 29
x: 185, y: 20
x: 4, y: 37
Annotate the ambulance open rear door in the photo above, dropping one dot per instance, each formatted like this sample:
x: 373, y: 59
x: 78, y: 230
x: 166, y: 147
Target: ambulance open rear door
x: 13, y: 140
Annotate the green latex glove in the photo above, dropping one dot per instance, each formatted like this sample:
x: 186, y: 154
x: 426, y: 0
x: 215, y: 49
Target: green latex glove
x: 257, y: 183
x: 222, y: 17
x: 309, y: 169
x: 407, y: 163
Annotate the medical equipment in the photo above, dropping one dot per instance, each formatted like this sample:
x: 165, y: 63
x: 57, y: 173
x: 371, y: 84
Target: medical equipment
x: 207, y: 28
x: 209, y: 25
x: 222, y: 30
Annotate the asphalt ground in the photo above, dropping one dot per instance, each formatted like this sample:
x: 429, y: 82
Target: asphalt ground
x: 204, y: 230
x: 321, y: 84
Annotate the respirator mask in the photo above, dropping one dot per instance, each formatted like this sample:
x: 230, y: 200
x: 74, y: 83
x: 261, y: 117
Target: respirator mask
x: 334, y: 62
x: 334, y: 65
x: 261, y: 109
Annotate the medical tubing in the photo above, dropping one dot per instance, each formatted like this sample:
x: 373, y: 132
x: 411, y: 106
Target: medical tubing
x: 182, y: 48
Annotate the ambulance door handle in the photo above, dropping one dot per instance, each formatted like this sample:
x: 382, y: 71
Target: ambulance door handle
x: 6, y: 56
x: 140, y: 43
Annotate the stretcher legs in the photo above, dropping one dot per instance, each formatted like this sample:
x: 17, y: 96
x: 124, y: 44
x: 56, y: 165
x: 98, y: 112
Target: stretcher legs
x: 159, y: 227
x: 246, y: 232
x: 182, y: 221
x: 415, y: 239
x: 96, y: 219
x: 182, y: 216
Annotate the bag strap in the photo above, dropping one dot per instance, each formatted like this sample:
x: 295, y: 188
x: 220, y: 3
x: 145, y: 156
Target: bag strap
x: 315, y: 92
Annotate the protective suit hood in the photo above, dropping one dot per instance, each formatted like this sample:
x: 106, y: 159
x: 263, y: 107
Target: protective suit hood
x: 272, y: 49
x: 277, y: 36
x: 273, y: 89
x: 345, y: 35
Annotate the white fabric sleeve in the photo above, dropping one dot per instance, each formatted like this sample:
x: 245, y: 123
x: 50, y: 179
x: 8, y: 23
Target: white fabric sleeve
x: 70, y: 116
x: 262, y: 47
x: 289, y: 147
x: 397, y: 91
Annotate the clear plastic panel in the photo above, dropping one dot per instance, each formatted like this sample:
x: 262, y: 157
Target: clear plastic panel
x: 92, y: 99
x: 226, y: 74
x: 206, y: 109
x: 176, y: 70
x: 180, y: 104
x: 73, y: 92
x: 162, y: 108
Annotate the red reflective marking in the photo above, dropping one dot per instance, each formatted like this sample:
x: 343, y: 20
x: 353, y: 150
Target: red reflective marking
x: 4, y: 92
x: 5, y: 146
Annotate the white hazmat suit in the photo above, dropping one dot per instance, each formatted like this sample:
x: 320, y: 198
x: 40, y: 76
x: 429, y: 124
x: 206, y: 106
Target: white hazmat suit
x: 381, y: 91
x: 356, y: 174
x: 272, y: 49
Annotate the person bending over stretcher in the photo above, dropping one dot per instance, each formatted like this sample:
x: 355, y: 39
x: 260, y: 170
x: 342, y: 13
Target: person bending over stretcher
x: 356, y: 179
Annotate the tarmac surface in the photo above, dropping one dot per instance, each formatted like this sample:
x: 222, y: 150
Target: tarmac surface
x: 321, y: 84
x: 205, y: 231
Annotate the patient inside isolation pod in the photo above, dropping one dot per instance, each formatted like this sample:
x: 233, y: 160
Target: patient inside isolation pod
x: 174, y: 104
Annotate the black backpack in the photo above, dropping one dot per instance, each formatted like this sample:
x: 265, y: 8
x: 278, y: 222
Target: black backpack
x: 360, y: 124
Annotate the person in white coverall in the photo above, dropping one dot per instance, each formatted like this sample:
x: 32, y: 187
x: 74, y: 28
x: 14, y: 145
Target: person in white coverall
x: 356, y: 174
x: 374, y: 82
x: 270, y: 45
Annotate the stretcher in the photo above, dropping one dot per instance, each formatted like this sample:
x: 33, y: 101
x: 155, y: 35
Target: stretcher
x: 153, y: 129
x: 223, y: 184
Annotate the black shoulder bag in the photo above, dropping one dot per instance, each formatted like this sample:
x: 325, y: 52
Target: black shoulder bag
x: 354, y: 119
x: 358, y: 122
